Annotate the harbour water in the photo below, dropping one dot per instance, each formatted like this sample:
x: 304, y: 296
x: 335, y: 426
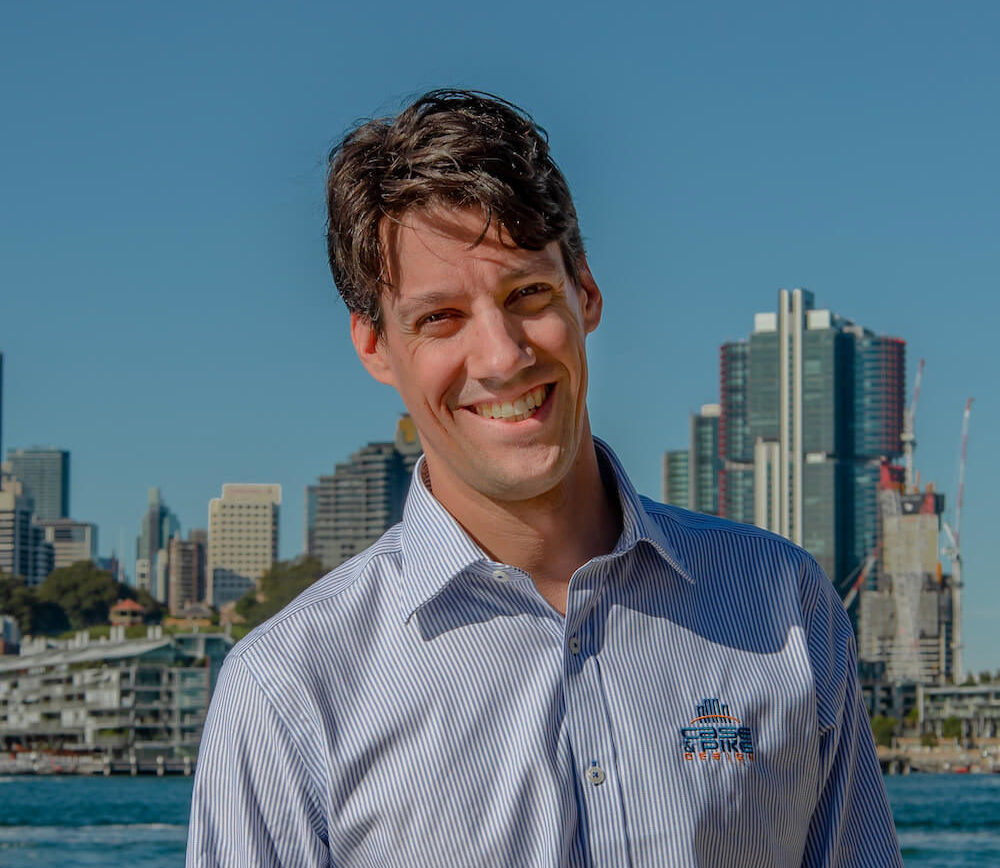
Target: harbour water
x: 944, y: 821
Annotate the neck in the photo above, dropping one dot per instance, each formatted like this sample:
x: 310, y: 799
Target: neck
x: 550, y: 536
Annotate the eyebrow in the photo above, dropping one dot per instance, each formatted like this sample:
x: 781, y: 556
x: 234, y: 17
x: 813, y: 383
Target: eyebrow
x: 434, y: 297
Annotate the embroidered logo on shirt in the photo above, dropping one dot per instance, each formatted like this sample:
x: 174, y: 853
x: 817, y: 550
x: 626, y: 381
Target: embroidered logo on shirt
x: 715, y: 735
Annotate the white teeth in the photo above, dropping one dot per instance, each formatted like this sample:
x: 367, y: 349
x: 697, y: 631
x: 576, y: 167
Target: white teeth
x: 516, y: 410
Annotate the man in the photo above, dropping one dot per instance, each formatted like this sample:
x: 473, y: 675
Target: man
x: 537, y: 667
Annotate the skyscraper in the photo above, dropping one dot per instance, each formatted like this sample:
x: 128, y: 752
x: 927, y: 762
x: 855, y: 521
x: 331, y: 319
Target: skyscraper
x: 45, y: 474
x: 156, y: 528
x: 363, y: 497
x: 736, y: 500
x: 242, y: 539
x: 703, y: 461
x: 810, y: 403
x: 675, y: 478
x: 691, y: 476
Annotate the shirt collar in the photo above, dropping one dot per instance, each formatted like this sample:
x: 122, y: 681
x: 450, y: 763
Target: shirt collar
x: 637, y: 524
x: 436, y: 549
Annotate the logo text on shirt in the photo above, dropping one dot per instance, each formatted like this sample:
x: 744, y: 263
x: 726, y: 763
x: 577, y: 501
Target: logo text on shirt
x: 715, y: 735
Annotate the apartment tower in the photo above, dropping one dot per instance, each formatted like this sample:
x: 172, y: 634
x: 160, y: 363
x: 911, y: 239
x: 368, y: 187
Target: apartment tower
x: 242, y: 539
x: 362, y: 498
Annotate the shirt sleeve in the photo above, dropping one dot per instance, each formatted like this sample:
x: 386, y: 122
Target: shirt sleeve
x: 253, y: 805
x: 852, y: 824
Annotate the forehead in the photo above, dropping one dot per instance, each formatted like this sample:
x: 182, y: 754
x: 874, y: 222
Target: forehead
x: 427, y: 246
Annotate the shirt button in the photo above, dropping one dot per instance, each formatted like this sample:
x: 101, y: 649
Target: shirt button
x: 574, y: 645
x: 500, y: 575
x: 595, y: 775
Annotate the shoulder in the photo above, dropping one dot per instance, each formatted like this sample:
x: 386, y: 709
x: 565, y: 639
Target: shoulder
x: 700, y: 537
x: 326, y: 613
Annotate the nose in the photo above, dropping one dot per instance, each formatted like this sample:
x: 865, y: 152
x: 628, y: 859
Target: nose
x: 500, y: 348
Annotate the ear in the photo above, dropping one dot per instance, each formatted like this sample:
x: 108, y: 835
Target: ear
x: 371, y: 349
x: 591, y: 301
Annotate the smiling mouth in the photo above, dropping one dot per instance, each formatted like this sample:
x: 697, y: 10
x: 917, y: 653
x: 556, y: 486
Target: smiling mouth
x: 517, y: 410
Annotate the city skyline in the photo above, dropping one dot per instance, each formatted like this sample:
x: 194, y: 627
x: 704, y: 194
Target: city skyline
x: 167, y: 218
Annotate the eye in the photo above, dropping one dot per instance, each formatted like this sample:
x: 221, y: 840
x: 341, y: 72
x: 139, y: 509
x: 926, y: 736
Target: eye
x: 532, y: 297
x: 437, y: 321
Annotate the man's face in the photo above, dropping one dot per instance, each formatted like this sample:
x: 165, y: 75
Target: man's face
x: 485, y: 344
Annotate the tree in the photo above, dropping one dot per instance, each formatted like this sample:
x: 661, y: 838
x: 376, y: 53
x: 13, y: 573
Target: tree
x: 85, y: 593
x: 16, y: 600
x: 883, y: 728
x: 985, y: 677
x: 33, y: 616
x: 912, y: 718
x: 277, y: 588
x: 951, y: 728
x: 928, y: 739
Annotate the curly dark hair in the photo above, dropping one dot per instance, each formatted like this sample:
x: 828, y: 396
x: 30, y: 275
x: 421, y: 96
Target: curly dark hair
x: 459, y: 148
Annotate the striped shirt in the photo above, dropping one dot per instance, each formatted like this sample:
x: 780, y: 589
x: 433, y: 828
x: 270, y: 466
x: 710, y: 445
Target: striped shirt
x: 423, y: 705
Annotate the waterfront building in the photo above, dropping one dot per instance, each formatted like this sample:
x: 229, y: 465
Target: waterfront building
x: 157, y: 526
x: 187, y: 571
x: 363, y: 497
x: 975, y: 706
x: 72, y: 541
x: 242, y: 539
x: 119, y: 698
x: 45, y: 475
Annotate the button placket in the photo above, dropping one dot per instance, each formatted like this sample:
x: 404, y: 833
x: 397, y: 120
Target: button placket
x: 591, y: 736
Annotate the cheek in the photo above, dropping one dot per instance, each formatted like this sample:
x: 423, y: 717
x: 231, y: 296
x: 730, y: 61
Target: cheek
x: 430, y: 375
x: 555, y: 336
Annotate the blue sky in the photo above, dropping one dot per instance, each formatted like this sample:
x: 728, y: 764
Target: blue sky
x: 165, y: 309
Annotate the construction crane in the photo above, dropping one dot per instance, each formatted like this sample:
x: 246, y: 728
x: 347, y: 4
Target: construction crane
x: 862, y: 573
x: 909, y: 436
x: 954, y: 551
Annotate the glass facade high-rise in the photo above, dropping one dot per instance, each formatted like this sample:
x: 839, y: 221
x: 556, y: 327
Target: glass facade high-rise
x: 45, y: 475
x: 703, y: 461
x: 735, y: 443
x: 156, y: 528
x: 820, y: 400
x: 675, y: 478
x: 362, y: 498
x: 691, y: 476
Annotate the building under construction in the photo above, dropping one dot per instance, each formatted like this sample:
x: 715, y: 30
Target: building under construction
x: 905, y: 623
